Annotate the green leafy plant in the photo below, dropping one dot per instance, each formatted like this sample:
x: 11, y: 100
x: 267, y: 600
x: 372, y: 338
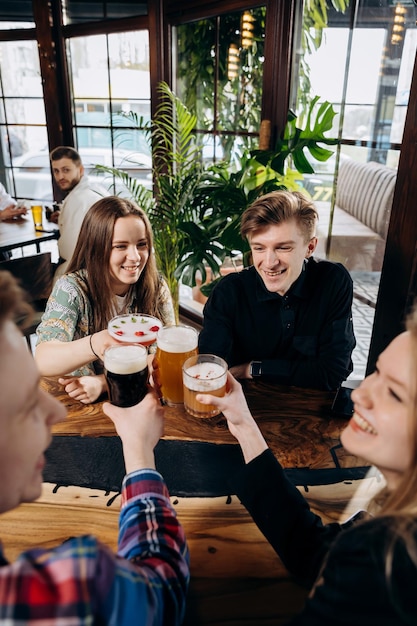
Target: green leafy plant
x: 227, y: 189
x: 222, y: 102
x: 176, y: 173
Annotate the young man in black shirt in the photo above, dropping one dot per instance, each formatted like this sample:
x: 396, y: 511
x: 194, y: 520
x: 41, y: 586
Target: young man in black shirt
x: 288, y: 317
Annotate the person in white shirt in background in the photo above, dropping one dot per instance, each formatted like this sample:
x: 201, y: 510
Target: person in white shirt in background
x: 9, y: 209
x: 82, y: 193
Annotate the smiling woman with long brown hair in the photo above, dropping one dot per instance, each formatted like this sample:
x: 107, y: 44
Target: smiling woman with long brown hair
x: 112, y: 271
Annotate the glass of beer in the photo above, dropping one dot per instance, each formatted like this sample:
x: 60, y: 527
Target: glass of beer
x: 126, y: 371
x: 203, y: 373
x: 174, y: 345
x: 37, y: 215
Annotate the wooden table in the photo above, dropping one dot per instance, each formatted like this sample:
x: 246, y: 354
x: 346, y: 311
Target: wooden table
x: 19, y: 232
x: 236, y: 577
x: 197, y: 456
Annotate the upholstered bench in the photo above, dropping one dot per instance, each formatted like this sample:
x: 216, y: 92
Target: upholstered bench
x: 363, y: 202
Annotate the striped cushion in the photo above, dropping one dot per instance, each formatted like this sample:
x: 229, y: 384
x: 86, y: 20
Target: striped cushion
x: 366, y: 191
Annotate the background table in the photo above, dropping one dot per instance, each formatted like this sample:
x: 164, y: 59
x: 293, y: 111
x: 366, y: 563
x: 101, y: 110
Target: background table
x: 17, y: 233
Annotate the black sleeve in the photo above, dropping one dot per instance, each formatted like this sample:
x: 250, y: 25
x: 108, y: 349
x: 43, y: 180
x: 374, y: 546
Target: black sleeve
x: 284, y: 517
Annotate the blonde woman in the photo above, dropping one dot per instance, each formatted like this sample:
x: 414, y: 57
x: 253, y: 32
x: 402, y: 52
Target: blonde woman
x: 364, y: 572
x: 112, y: 271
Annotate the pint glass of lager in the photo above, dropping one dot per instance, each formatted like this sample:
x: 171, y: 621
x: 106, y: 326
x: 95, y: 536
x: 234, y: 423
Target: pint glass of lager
x: 174, y: 345
x: 203, y: 373
x: 126, y: 371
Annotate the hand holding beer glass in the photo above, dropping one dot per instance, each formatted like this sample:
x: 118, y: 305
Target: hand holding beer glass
x: 174, y: 345
x: 126, y: 372
x: 203, y: 373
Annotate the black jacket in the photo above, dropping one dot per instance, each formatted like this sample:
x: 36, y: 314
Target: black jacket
x: 304, y: 338
x: 346, y: 565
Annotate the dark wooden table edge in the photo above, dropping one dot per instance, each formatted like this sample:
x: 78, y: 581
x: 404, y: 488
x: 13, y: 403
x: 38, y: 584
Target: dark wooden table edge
x: 190, y: 468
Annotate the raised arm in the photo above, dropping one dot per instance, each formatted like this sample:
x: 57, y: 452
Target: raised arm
x: 277, y: 507
x: 150, y: 535
x: 57, y: 358
x: 60, y: 347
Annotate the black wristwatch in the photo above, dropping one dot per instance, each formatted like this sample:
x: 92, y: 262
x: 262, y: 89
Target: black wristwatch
x: 255, y: 368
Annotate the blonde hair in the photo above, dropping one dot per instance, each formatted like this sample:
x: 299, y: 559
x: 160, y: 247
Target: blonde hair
x: 404, y: 499
x: 400, y: 506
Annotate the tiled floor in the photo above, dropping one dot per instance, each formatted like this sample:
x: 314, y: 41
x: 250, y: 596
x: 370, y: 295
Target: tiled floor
x: 363, y: 318
x: 365, y: 292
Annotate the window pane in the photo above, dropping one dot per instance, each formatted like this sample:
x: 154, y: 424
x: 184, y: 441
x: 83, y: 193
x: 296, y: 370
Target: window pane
x: 30, y: 176
x: 111, y: 98
x: 20, y: 70
x: 15, y: 25
x: 77, y: 11
x: 22, y: 120
x: 32, y: 110
x: 88, y: 64
x: 371, y: 66
x: 219, y: 70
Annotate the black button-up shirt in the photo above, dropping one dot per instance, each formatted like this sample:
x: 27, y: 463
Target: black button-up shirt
x: 304, y: 338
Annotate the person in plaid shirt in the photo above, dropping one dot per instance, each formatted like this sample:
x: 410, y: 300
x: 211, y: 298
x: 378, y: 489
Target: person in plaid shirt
x: 82, y: 581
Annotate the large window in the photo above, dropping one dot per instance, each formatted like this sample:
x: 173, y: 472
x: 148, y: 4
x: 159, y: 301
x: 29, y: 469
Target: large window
x: 111, y: 100
x: 368, y: 90
x: 22, y: 119
x: 109, y: 77
x: 369, y: 57
x: 219, y: 70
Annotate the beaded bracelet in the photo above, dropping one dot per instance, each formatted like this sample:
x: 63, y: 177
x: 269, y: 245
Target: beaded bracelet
x: 91, y: 346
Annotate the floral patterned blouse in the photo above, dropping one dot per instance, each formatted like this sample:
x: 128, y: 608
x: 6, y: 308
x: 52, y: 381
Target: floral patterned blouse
x: 68, y: 314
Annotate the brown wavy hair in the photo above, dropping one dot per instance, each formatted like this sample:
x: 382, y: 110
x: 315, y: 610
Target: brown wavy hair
x: 92, y: 253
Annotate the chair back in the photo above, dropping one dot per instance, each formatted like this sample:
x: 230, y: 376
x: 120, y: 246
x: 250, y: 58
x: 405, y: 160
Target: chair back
x: 34, y: 274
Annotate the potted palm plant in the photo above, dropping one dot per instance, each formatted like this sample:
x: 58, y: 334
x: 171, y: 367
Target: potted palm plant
x: 177, y: 170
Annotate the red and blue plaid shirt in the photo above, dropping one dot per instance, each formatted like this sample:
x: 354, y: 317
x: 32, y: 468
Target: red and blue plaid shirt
x: 83, y: 582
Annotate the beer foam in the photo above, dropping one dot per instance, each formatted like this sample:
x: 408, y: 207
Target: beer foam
x: 205, y: 376
x: 177, y: 339
x: 125, y: 359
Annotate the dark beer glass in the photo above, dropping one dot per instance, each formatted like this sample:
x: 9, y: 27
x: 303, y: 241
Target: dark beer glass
x: 126, y: 371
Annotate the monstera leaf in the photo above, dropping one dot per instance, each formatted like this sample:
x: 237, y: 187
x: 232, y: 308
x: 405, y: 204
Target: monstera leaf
x: 295, y: 141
